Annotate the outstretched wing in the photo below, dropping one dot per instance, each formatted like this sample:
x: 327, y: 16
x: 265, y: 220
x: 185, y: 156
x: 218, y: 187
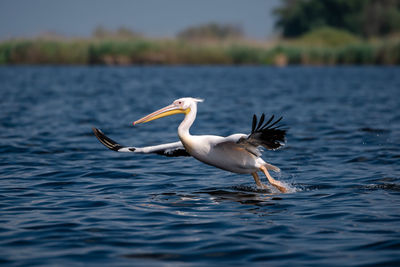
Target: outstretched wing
x: 269, y: 135
x: 175, y: 149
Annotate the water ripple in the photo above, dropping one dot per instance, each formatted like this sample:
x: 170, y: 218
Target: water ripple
x: 65, y: 200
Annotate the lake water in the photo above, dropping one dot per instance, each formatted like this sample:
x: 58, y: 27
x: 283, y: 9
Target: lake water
x: 67, y: 200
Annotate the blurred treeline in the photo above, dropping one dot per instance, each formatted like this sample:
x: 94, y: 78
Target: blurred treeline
x: 312, y: 32
x: 366, y: 18
x: 340, y: 31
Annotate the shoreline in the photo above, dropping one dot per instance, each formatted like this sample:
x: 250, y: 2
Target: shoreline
x: 132, y: 52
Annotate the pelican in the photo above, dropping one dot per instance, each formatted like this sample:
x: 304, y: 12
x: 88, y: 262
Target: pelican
x: 237, y: 153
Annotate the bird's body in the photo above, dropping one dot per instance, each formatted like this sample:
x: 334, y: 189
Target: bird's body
x: 218, y: 152
x: 236, y: 153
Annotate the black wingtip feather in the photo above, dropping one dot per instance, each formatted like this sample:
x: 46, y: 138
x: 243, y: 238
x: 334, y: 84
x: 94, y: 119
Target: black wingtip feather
x: 253, y: 127
x: 268, y: 135
x: 106, y: 141
x: 261, y: 121
x: 274, y: 123
x: 268, y: 122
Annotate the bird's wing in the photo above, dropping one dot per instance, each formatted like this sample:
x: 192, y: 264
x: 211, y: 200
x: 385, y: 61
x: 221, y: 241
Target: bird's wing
x: 175, y: 149
x: 269, y: 135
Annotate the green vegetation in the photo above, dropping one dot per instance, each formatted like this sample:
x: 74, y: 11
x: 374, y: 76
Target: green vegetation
x: 309, y: 49
x: 327, y: 37
x: 43, y: 52
x: 211, y: 32
x: 364, y: 18
x: 121, y: 33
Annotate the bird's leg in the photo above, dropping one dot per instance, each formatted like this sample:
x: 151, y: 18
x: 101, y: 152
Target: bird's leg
x: 256, y: 178
x: 274, y: 182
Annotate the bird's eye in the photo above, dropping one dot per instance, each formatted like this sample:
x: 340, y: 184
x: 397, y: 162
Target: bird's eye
x: 179, y: 102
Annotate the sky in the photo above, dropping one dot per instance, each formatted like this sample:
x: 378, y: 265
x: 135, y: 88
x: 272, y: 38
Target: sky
x: 154, y: 18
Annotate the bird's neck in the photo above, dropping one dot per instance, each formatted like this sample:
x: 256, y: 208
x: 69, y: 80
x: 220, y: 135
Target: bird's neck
x: 183, y: 129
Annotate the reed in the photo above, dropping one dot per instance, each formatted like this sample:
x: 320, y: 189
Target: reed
x: 43, y: 52
x: 172, y: 52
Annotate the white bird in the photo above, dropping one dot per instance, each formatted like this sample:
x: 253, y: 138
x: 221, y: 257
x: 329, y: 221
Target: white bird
x: 237, y: 153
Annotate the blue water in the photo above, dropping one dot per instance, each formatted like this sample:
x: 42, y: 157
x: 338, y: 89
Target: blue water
x: 67, y: 200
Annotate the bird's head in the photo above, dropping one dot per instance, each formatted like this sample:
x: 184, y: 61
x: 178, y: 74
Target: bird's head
x: 181, y: 105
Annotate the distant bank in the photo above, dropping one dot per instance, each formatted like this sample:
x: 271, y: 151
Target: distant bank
x: 138, y: 51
